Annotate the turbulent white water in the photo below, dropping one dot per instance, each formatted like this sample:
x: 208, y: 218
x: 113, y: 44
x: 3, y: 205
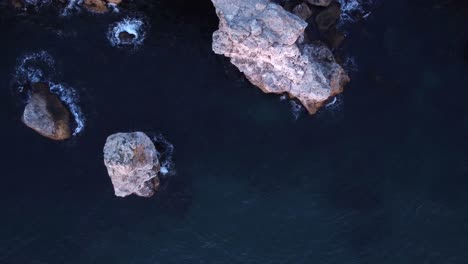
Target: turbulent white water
x: 134, y: 26
x: 70, y: 97
x: 351, y: 9
x: 165, y: 153
x: 40, y: 67
x: 34, y: 67
x: 296, y: 109
x: 71, y: 6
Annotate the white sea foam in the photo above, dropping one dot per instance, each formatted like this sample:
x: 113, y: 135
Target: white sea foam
x: 335, y: 104
x: 70, y: 97
x: 40, y: 67
x: 165, y: 153
x: 353, y: 8
x: 350, y: 64
x: 37, y: 3
x: 34, y: 67
x: 134, y: 26
x: 71, y: 6
x: 296, y: 109
x: 114, y: 7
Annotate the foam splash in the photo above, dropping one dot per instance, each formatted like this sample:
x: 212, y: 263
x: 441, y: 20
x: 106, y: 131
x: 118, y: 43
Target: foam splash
x: 133, y: 26
x: 350, y: 64
x: 352, y: 9
x: 34, y: 67
x: 70, y: 98
x: 296, y: 109
x: 70, y: 7
x: 335, y: 104
x: 114, y: 7
x: 37, y: 3
x: 40, y: 67
x: 165, y: 153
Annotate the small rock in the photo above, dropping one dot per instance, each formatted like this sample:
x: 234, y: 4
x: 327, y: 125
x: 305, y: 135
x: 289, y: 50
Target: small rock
x: 320, y: 2
x: 96, y: 6
x: 334, y: 38
x: 46, y: 114
x: 126, y: 37
x: 132, y: 163
x: 328, y: 17
x: 303, y: 11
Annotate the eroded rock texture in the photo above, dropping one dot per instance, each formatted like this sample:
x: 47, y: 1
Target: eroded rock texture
x: 262, y: 40
x: 46, y: 114
x: 132, y: 163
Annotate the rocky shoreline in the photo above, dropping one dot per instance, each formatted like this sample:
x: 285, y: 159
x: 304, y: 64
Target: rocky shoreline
x: 268, y: 44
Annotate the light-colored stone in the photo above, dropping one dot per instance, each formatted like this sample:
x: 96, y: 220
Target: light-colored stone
x: 46, y: 114
x: 328, y: 17
x: 132, y: 163
x: 263, y: 44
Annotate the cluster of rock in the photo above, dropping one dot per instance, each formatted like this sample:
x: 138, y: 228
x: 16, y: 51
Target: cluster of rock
x: 96, y: 6
x: 267, y: 43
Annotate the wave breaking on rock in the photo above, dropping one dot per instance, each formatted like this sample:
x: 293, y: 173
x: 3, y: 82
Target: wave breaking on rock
x: 127, y: 32
x: 39, y: 67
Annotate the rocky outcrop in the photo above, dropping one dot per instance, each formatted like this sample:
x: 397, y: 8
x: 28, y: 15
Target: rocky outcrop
x: 132, y: 163
x: 46, y: 114
x: 263, y: 41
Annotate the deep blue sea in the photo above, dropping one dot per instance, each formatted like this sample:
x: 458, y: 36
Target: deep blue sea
x: 381, y: 177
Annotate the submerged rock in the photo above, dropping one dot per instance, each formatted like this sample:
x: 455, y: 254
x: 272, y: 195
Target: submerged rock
x: 262, y: 40
x: 132, y: 163
x: 303, y: 11
x: 126, y: 37
x: 328, y: 18
x: 320, y: 2
x: 46, y: 114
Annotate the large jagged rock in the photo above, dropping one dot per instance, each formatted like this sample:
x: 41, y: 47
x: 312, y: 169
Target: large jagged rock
x: 46, y: 114
x: 132, y: 163
x: 262, y: 40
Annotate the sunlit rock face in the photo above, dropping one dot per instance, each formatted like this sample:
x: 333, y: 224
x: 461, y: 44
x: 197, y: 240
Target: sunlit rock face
x: 132, y: 163
x: 263, y: 41
x: 46, y: 114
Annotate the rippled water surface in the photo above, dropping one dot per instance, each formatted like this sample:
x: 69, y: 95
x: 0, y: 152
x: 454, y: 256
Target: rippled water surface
x: 379, y: 176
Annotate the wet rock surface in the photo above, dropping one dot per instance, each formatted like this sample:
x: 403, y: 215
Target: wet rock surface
x: 263, y: 41
x: 132, y: 163
x: 46, y: 114
x: 126, y: 37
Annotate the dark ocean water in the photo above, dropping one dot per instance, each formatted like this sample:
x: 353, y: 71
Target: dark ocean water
x: 381, y: 177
